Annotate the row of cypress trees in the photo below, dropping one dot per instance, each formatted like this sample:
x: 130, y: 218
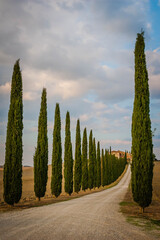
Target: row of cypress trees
x: 83, y: 172
x: 87, y: 173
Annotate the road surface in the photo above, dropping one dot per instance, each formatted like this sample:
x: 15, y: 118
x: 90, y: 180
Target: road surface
x: 95, y: 216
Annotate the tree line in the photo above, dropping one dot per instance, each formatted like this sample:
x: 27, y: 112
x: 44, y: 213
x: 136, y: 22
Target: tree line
x: 89, y: 169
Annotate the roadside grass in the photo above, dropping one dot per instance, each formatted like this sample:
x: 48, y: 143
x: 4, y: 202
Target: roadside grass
x: 150, y: 225
x: 29, y: 201
x: 150, y: 219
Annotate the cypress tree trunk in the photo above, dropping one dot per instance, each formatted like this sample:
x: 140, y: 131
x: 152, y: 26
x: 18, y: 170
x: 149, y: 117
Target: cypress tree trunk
x: 94, y: 163
x: 91, y: 163
x: 68, y: 159
x: 41, y: 153
x: 98, y: 166
x: 12, y: 177
x: 56, y: 181
x: 84, y: 162
x: 78, y: 161
x: 142, y: 149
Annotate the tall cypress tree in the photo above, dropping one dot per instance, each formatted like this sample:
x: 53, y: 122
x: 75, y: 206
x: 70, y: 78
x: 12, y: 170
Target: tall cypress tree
x: 98, y: 166
x: 91, y: 163
x: 84, y: 161
x: 142, y: 149
x: 41, y: 153
x: 102, y: 169
x: 56, y: 181
x: 12, y: 177
x: 78, y: 160
x: 68, y: 159
x: 94, y: 163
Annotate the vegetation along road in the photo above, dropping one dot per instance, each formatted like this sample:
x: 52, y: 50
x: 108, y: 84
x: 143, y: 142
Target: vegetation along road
x: 94, y: 216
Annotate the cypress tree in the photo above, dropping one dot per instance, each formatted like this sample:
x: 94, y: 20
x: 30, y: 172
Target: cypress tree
x: 78, y: 160
x: 98, y: 166
x: 102, y: 169
x: 106, y: 166
x: 68, y: 159
x: 94, y: 163
x: 56, y: 181
x: 125, y: 157
x: 84, y: 162
x: 110, y: 169
x: 41, y: 152
x: 91, y: 163
x: 110, y: 150
x: 12, y: 177
x: 142, y: 149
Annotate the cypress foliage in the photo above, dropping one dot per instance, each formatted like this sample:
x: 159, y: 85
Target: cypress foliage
x: 56, y: 181
x: 41, y: 152
x: 110, y: 168
x: 142, y: 149
x: 91, y: 163
x: 68, y: 159
x: 98, y: 166
x: 78, y: 160
x: 12, y: 177
x: 102, y: 169
x: 84, y: 161
x: 94, y: 163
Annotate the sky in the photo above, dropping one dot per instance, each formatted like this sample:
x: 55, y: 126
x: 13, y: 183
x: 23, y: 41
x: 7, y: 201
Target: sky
x: 82, y: 52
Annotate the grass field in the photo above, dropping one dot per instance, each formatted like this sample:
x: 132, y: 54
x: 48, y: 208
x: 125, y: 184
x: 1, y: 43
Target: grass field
x: 131, y: 209
x: 28, y: 184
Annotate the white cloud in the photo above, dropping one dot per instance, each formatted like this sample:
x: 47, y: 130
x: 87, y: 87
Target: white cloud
x: 153, y: 63
x: 116, y: 142
x: 156, y: 50
x: 85, y: 117
x: 6, y: 88
x: 30, y: 96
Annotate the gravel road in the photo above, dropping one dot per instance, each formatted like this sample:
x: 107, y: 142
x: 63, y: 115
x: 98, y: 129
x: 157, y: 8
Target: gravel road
x: 94, y: 216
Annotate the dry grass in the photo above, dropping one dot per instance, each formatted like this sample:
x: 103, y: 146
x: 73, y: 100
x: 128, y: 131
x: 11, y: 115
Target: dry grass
x: 28, y: 197
x: 131, y: 209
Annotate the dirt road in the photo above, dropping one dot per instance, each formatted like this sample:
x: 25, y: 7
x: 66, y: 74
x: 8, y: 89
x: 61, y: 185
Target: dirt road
x: 95, y: 216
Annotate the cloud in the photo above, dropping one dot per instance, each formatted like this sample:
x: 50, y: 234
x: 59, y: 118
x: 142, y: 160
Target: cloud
x: 156, y: 50
x: 153, y: 63
x: 116, y: 142
x: 69, y: 40
x: 82, y: 52
x: 5, y: 89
